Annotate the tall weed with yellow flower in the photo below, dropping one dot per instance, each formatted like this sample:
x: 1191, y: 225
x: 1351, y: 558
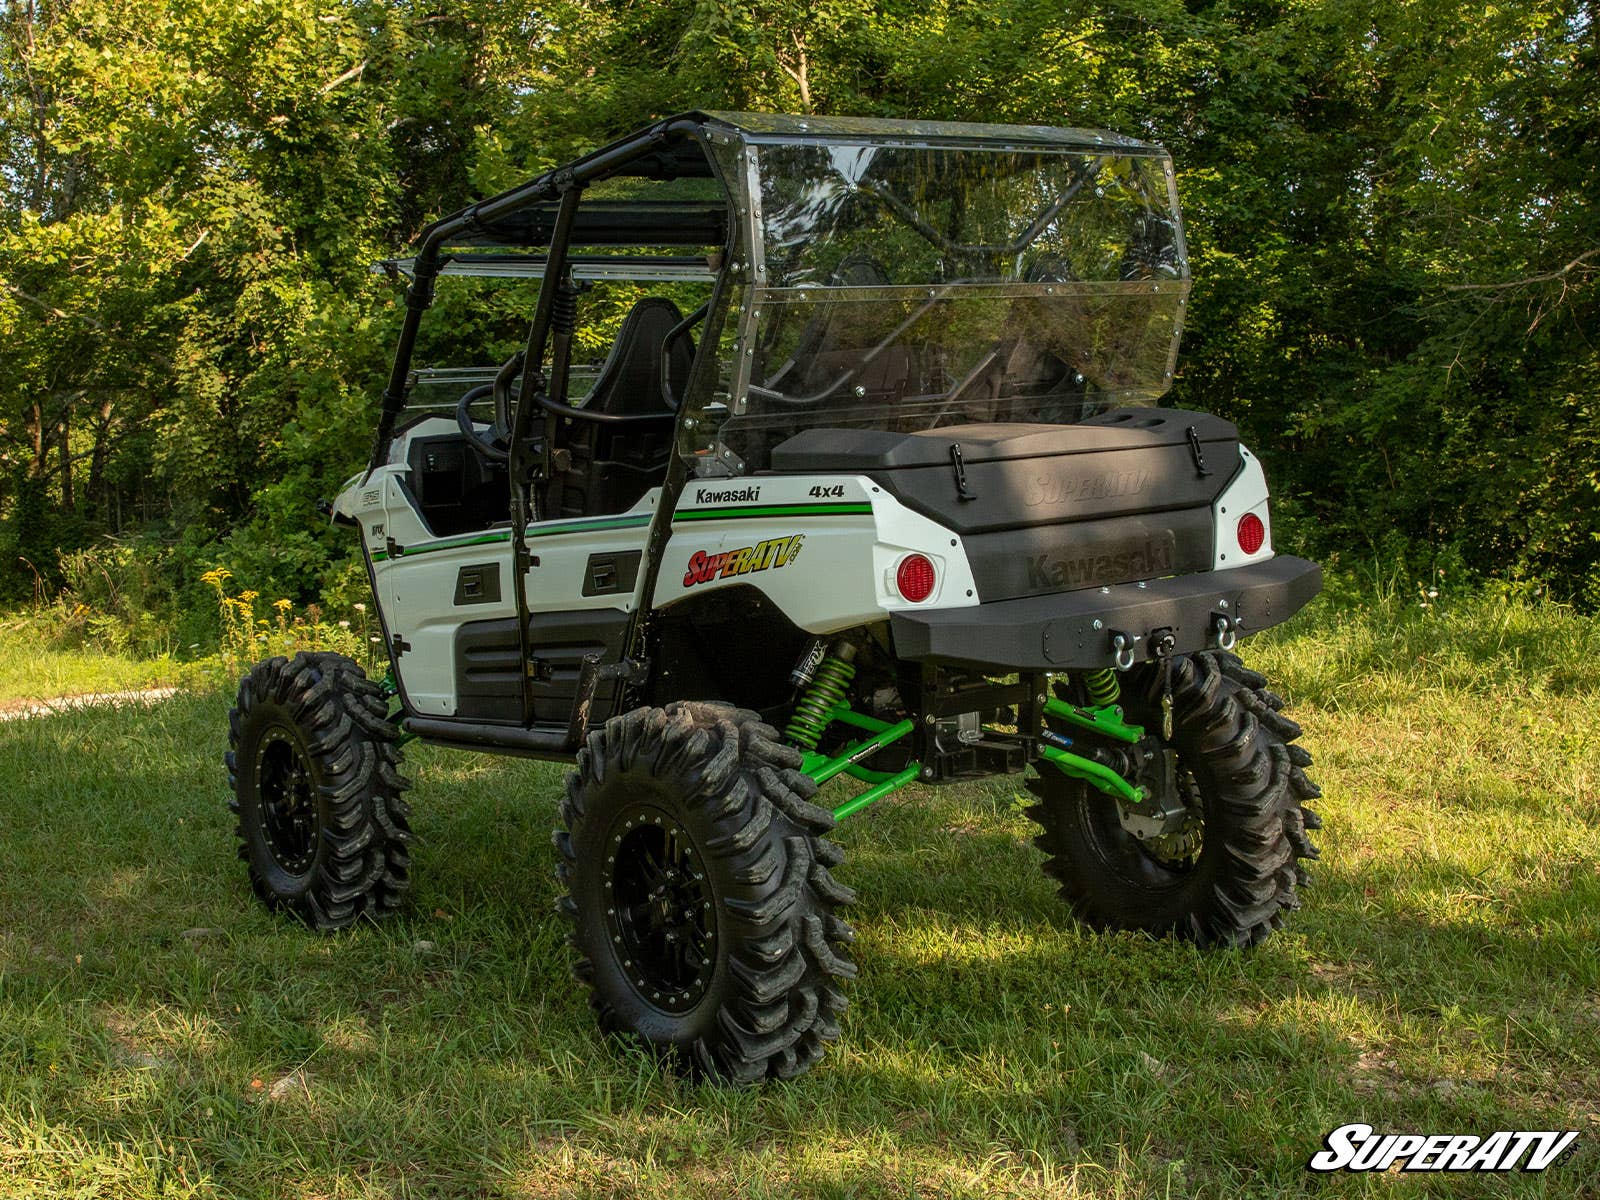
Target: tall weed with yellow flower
x: 247, y: 638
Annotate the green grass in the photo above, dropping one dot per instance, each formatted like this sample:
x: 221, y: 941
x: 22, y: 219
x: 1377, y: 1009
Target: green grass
x: 30, y: 671
x: 1444, y: 976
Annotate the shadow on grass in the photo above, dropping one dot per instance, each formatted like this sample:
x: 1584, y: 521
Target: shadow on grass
x: 148, y: 1003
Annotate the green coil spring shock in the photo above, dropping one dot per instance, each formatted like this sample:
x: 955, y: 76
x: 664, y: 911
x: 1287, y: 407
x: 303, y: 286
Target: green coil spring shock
x: 1102, y: 687
x: 813, y: 712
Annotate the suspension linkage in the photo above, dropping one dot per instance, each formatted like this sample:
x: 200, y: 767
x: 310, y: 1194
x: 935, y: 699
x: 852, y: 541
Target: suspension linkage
x: 824, y: 675
x: 1105, y: 720
x: 822, y: 769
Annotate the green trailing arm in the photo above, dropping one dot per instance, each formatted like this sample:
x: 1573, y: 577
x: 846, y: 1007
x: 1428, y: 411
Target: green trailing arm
x: 822, y: 767
x: 1107, y: 721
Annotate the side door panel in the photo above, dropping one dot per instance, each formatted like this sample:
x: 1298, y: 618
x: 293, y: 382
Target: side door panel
x: 453, y: 601
x: 434, y: 586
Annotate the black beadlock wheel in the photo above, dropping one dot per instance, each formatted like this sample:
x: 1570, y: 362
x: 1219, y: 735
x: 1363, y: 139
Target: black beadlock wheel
x: 1232, y: 880
x: 659, y: 907
x: 699, y: 887
x: 317, y: 790
x: 287, y: 799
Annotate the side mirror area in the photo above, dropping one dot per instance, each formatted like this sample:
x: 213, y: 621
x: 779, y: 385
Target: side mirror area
x: 335, y: 517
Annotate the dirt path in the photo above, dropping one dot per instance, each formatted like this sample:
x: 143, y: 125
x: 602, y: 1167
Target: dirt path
x: 17, y: 710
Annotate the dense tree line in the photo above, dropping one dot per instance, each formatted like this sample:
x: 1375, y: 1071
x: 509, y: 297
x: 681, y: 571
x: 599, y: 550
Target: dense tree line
x: 1391, y: 205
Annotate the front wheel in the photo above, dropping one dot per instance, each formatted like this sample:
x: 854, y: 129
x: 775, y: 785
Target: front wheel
x: 1225, y: 875
x: 315, y: 772
x: 703, y: 908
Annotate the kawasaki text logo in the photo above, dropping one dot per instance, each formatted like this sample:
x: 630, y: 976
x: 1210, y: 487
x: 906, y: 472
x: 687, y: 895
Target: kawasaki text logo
x: 1358, y: 1148
x: 773, y: 553
x: 735, y: 496
x: 1064, y: 489
x: 1142, y: 562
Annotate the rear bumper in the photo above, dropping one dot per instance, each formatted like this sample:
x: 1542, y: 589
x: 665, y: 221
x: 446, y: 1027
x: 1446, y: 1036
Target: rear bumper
x: 1076, y: 630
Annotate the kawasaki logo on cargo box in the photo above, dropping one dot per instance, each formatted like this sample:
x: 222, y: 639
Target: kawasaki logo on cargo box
x: 1058, y: 570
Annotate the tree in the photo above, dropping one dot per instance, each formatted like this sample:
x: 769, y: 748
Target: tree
x: 1391, y: 210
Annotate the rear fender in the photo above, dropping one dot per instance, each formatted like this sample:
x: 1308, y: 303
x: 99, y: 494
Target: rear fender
x: 823, y: 549
x: 1246, y: 493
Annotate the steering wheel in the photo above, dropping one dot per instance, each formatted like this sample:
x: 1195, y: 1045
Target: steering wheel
x: 489, y: 446
x: 496, y: 447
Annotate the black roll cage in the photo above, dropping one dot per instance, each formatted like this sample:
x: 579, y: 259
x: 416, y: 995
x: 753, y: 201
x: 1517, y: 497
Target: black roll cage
x: 512, y: 219
x: 520, y: 217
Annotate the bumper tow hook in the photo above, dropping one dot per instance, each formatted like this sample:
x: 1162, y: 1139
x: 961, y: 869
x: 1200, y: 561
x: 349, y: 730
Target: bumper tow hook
x: 1122, y: 645
x: 1225, y: 630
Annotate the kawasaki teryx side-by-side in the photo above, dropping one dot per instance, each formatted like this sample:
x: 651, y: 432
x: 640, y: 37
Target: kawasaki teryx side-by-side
x: 871, y: 483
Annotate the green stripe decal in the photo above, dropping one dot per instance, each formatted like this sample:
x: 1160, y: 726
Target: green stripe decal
x: 773, y: 510
x: 638, y: 520
x: 632, y: 521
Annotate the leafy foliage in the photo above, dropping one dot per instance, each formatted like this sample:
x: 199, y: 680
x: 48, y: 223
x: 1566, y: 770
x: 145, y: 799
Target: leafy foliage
x: 1391, y: 217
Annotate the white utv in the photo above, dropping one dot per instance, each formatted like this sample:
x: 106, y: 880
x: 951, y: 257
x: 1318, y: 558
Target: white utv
x: 871, y: 483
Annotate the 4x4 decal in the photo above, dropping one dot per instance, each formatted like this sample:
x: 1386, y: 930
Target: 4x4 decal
x: 767, y: 555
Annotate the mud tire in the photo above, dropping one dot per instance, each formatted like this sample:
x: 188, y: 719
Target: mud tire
x: 767, y: 999
x: 316, y: 730
x: 1227, y: 729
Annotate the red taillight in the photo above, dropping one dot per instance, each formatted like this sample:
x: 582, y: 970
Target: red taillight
x: 914, y: 577
x: 1252, y: 533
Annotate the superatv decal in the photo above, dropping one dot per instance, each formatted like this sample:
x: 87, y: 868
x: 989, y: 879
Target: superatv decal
x: 768, y: 555
x: 1066, y: 489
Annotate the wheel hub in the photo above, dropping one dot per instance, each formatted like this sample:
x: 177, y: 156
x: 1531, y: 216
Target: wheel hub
x: 1168, y: 823
x: 286, y: 794
x: 659, y: 913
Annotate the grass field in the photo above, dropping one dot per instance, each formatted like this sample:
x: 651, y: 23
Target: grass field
x: 30, y: 672
x: 162, y: 1036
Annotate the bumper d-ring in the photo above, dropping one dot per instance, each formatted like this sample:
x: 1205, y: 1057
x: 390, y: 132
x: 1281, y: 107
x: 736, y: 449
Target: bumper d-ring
x: 1122, y: 649
x: 1225, y: 631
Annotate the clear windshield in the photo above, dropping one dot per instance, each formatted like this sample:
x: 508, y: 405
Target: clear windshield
x: 908, y: 287
x: 833, y: 214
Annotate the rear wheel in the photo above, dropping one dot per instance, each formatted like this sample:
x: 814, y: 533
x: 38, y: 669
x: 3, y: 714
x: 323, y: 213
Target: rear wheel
x: 317, y: 791
x: 700, y: 892
x: 1224, y: 873
x: 1267, y: 706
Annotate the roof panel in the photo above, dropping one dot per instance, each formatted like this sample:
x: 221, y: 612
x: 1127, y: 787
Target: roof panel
x: 783, y: 127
